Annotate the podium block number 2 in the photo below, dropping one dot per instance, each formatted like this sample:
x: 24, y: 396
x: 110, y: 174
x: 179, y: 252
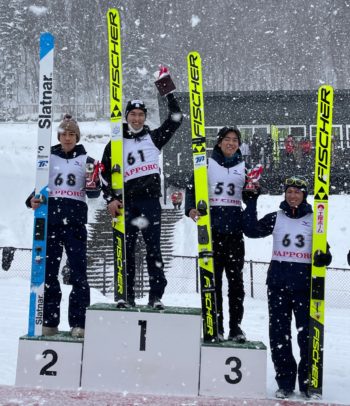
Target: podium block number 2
x: 45, y: 369
x: 49, y: 364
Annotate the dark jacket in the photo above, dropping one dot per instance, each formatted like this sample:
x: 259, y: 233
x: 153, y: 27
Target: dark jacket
x: 63, y: 210
x: 149, y: 185
x: 284, y: 274
x: 224, y: 219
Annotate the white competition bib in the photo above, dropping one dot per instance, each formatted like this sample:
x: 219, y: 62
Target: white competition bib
x: 141, y: 157
x: 225, y: 184
x: 67, y: 177
x: 292, y: 238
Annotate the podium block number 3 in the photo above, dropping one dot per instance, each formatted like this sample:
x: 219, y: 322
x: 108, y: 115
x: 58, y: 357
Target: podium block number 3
x: 45, y: 369
x: 236, y: 369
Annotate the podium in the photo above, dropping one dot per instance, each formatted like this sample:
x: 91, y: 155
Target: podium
x: 49, y: 362
x: 142, y: 350
x: 146, y: 351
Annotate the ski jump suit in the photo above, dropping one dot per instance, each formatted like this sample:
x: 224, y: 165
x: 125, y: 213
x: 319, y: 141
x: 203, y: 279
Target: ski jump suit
x: 67, y: 216
x: 226, y: 178
x: 142, y: 189
x: 288, y: 285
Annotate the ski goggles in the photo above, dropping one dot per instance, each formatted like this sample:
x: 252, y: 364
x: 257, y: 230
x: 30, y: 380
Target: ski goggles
x: 294, y: 181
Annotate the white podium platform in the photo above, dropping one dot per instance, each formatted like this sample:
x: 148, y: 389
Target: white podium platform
x: 49, y: 362
x: 233, y: 370
x: 146, y: 351
x: 141, y: 350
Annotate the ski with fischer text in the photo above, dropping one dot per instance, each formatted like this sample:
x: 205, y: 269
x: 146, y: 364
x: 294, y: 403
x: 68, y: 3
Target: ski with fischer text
x: 37, y: 281
x: 323, y: 144
x: 116, y: 98
x: 205, y: 251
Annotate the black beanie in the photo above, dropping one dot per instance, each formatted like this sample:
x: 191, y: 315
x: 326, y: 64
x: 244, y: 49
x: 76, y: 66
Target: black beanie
x: 135, y: 104
x: 224, y: 130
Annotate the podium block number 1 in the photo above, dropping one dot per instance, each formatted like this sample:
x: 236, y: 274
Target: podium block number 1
x: 140, y: 350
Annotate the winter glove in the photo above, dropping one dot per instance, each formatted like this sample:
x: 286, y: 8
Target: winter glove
x: 250, y: 194
x: 349, y: 258
x: 7, y: 257
x: 164, y: 83
x: 322, y: 259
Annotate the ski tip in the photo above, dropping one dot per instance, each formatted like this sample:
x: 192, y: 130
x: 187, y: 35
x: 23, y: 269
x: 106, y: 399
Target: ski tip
x: 326, y: 86
x: 326, y: 93
x: 113, y: 12
x: 193, y: 54
x: 47, y: 42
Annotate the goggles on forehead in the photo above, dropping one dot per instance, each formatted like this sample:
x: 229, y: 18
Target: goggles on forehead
x: 295, y: 181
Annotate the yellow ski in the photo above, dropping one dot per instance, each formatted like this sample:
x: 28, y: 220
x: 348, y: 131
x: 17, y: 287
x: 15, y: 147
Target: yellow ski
x: 116, y: 98
x: 319, y: 238
x: 276, y: 147
x: 206, y: 264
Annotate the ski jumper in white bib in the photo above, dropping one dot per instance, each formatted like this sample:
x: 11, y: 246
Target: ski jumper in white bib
x: 67, y: 177
x: 292, y: 238
x: 141, y: 157
x: 225, y: 184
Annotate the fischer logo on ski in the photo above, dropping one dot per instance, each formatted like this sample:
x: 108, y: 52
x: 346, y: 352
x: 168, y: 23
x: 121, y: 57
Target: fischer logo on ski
x: 36, y: 301
x: 206, y: 264
x: 319, y: 237
x: 116, y: 98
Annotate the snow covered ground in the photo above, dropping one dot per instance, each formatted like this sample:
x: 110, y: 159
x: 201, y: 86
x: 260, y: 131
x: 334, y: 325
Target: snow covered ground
x: 17, y: 154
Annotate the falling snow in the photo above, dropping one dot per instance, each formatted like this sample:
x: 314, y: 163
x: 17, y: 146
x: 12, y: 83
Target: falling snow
x: 195, y: 20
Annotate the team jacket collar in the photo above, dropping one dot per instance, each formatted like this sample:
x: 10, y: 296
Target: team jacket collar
x: 78, y: 150
x: 300, y: 211
x: 130, y: 135
x: 219, y: 157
